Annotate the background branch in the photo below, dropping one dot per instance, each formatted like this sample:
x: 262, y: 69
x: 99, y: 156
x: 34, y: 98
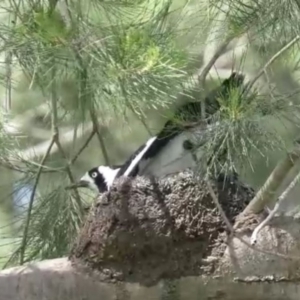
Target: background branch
x: 66, y: 139
x: 54, y: 125
x: 96, y: 129
x: 270, y: 61
x: 38, y: 175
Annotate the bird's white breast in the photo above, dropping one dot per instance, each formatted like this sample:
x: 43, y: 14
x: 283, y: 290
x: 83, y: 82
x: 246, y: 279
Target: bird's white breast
x: 109, y: 175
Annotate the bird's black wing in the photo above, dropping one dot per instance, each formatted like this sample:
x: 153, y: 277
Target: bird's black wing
x: 184, y: 118
x: 211, y: 100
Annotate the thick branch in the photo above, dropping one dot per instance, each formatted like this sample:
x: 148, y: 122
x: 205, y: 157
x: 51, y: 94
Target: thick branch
x: 271, y: 215
x: 204, y: 72
x: 225, y: 270
x: 57, y: 279
x: 268, y: 190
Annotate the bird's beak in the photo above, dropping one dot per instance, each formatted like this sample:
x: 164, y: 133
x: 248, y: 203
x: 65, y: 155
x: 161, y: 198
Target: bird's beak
x: 84, y: 182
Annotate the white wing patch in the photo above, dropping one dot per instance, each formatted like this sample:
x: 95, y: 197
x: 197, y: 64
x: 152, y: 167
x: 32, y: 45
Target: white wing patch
x: 138, y: 158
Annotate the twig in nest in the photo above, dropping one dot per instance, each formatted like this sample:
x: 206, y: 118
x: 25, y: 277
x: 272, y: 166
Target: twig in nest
x: 233, y: 234
x: 270, y: 61
x: 275, y: 209
x: 218, y: 205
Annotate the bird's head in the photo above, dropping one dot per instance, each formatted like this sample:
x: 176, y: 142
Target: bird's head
x: 99, y: 178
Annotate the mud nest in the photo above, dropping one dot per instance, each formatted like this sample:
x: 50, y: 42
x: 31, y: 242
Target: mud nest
x: 143, y: 231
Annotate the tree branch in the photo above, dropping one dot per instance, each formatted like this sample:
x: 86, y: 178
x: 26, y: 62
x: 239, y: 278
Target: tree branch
x: 270, y: 61
x: 13, y: 126
x: 219, y: 207
x: 275, y: 209
x: 97, y: 131
x: 38, y: 175
x: 234, y: 234
x: 54, y: 125
x: 128, y: 103
x: 83, y: 84
x: 204, y: 72
x: 267, y: 191
x: 66, y: 138
x: 84, y: 145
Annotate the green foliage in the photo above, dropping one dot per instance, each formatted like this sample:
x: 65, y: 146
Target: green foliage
x: 142, y: 61
x: 240, y: 134
x: 267, y: 21
x: 55, y: 221
x: 126, y: 56
x: 119, y: 64
x: 142, y: 51
x: 39, y: 25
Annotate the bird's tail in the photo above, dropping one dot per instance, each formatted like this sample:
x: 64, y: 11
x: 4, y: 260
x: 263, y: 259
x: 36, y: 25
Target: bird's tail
x: 234, y: 80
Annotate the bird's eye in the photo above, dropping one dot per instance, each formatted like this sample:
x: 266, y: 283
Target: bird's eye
x: 94, y: 174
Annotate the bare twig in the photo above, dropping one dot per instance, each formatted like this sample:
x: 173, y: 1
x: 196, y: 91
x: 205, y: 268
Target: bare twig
x: 38, y: 175
x: 270, y: 61
x: 97, y: 131
x: 234, y: 234
x: 83, y: 73
x: 128, y: 103
x: 275, y: 209
x: 84, y: 145
x: 66, y: 138
x: 54, y: 125
x: 74, y: 138
x: 8, y: 61
x: 142, y: 120
x: 13, y: 126
x: 204, y: 72
x: 70, y: 175
x: 8, y: 65
x: 218, y: 205
x: 288, y: 257
x: 9, y: 164
x: 267, y: 191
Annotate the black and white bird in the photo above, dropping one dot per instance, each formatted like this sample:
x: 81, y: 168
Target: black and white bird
x: 171, y: 150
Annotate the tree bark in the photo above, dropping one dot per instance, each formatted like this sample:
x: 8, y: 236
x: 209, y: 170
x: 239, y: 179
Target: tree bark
x: 222, y: 268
